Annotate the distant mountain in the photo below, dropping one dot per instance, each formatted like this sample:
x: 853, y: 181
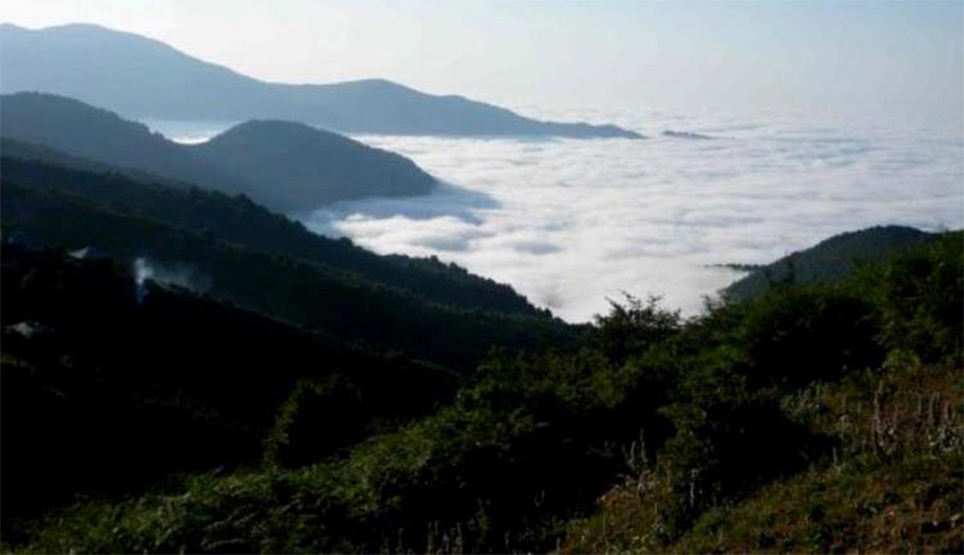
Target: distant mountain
x: 81, y: 130
x: 685, y: 135
x: 312, y: 164
x: 830, y: 260
x: 284, y: 166
x: 13, y: 149
x: 144, y: 78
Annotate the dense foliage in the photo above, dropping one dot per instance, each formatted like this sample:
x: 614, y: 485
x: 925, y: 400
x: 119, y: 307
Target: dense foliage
x: 148, y: 380
x: 237, y: 220
x: 295, y: 290
x: 828, y: 261
x: 710, y: 431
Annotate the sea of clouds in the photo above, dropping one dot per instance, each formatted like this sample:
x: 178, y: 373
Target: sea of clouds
x: 570, y: 223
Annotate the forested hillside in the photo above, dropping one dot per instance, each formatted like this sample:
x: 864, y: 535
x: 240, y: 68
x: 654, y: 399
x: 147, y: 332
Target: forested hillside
x: 237, y: 220
x: 830, y: 260
x: 146, y: 380
x: 825, y: 418
x: 292, y: 289
x: 166, y: 329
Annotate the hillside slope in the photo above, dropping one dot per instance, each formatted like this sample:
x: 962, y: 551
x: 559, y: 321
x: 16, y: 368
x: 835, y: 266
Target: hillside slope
x: 256, y: 159
x: 144, y: 78
x: 147, y: 380
x: 830, y: 260
x: 85, y: 131
x: 892, y: 484
x: 295, y: 290
x: 307, y: 167
x: 810, y: 419
x: 238, y: 221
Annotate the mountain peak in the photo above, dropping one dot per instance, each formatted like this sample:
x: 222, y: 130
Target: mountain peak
x: 141, y: 77
x: 279, y: 131
x: 80, y: 29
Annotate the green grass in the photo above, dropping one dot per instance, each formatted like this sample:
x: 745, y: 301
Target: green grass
x: 893, y: 483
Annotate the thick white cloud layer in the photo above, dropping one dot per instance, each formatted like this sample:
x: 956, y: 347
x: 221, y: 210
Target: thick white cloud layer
x: 569, y: 223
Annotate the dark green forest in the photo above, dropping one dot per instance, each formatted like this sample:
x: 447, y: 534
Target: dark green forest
x: 830, y: 260
x: 239, y: 221
x: 654, y: 433
x: 106, y: 387
x: 328, y: 296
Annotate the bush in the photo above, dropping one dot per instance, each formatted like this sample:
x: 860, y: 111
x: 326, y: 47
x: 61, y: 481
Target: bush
x: 795, y: 336
x: 921, y: 295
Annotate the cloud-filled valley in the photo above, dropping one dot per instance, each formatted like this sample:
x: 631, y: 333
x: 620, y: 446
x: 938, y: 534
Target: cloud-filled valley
x: 569, y: 223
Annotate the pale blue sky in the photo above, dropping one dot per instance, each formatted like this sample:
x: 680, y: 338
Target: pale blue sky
x: 848, y: 56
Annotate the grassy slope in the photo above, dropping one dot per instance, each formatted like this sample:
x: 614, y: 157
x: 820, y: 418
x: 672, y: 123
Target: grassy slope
x: 889, y: 479
x: 892, y: 485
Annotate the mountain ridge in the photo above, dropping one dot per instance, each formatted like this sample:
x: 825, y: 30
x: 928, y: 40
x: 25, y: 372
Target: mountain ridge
x: 239, y: 221
x: 312, y: 163
x: 142, y: 77
x: 323, y: 167
x: 829, y: 260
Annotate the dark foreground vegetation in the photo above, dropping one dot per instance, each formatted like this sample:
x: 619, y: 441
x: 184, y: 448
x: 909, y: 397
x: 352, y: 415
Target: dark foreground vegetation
x: 108, y: 384
x: 809, y: 418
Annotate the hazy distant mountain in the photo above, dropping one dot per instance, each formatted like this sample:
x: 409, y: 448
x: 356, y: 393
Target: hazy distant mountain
x: 284, y: 166
x: 311, y: 163
x: 12, y: 149
x: 830, y: 260
x: 684, y: 135
x: 81, y: 130
x: 144, y: 78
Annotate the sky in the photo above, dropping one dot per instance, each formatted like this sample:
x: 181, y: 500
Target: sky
x: 873, y: 58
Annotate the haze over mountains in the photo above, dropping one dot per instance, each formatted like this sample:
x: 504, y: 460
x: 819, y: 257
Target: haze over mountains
x: 285, y: 166
x: 144, y: 78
